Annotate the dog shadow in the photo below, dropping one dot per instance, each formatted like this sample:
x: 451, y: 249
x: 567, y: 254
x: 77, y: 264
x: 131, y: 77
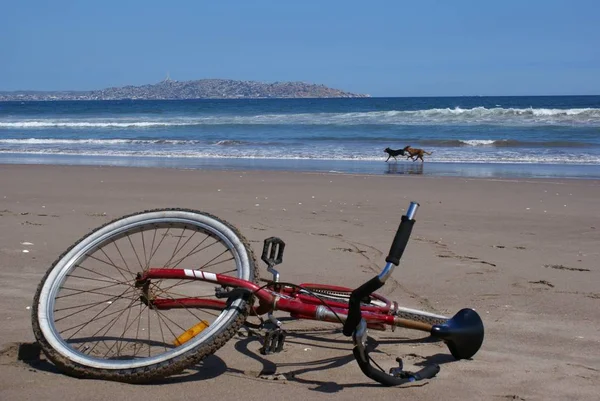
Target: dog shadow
x: 404, y: 168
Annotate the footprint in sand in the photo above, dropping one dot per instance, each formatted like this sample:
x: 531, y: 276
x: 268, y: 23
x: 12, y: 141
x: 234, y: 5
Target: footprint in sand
x: 542, y: 282
x: 561, y: 267
x: 31, y: 223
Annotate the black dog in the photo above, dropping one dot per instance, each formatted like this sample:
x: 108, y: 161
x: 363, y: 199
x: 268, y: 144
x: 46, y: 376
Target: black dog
x: 393, y: 153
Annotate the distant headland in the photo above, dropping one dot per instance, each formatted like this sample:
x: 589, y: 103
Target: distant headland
x: 170, y: 89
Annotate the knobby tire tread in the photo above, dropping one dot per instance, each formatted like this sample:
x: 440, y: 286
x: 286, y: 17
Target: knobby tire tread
x: 162, y: 369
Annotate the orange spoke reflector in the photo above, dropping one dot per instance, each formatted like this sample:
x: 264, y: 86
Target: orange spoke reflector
x: 191, y: 333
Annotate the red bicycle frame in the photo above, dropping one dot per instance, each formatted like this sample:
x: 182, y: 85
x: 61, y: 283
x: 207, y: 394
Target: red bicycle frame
x: 463, y: 333
x: 298, y: 303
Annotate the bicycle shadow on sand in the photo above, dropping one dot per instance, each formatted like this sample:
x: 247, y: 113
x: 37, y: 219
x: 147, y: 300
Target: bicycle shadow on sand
x: 269, y: 369
x: 213, y: 366
x: 31, y: 355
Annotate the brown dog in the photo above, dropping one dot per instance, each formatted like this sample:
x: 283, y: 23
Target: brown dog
x: 416, y: 153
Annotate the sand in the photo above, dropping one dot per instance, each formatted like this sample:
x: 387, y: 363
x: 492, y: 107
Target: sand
x: 523, y: 253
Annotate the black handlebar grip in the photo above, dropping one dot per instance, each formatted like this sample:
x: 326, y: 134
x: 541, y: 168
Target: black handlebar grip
x: 400, y: 241
x: 354, y: 316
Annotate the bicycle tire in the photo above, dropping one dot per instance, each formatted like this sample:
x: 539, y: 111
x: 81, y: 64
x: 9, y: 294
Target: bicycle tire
x: 64, y: 295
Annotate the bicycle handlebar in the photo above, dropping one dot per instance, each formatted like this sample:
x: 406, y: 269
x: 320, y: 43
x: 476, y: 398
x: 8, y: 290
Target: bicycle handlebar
x: 393, y: 259
x: 400, y: 241
x: 402, y: 235
x: 354, y: 315
x: 356, y: 326
x: 389, y: 380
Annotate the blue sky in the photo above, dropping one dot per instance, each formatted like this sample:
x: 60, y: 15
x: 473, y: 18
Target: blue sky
x: 383, y: 48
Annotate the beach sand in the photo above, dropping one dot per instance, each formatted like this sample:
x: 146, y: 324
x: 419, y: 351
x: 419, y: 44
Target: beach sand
x: 523, y: 253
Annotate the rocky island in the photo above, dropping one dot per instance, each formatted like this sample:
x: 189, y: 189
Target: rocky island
x: 200, y: 89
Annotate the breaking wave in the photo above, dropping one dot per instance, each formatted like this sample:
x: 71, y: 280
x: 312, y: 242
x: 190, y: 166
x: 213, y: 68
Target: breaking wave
x: 453, y: 116
x: 284, y: 154
x: 443, y: 143
x: 108, y: 142
x: 503, y: 143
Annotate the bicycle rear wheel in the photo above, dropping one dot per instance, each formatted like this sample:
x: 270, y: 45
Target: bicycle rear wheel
x: 93, y: 320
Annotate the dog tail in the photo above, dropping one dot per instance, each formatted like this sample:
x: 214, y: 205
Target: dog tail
x: 428, y: 153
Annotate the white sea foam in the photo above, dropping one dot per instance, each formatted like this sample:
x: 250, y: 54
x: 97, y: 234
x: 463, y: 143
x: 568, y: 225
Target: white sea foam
x: 54, y: 123
x: 262, y: 154
x: 479, y: 142
x: 41, y: 141
x: 54, y: 141
x: 457, y: 115
x: 229, y: 142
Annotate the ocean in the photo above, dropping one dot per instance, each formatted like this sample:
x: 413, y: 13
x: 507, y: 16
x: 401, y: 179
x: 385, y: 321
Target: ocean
x: 542, y: 136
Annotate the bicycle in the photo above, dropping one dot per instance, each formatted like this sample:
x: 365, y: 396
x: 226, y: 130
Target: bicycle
x: 150, y: 294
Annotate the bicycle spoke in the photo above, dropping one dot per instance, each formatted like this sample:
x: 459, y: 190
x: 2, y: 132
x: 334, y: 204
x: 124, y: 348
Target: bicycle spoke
x: 99, y: 312
x: 160, y: 243
x: 134, y: 251
x: 124, y: 330
x: 188, y: 240
x: 144, y: 248
x: 208, y: 264
x: 189, y: 310
x: 111, y: 264
x: 162, y: 334
x: 93, y: 279
x: 86, y: 308
x: 137, y: 318
x: 149, y: 257
x: 149, y: 349
x: 195, y: 251
x: 137, y: 332
x: 79, y: 292
x: 81, y: 326
x: 108, y: 326
x: 176, y: 248
x: 121, y: 255
x: 102, y: 275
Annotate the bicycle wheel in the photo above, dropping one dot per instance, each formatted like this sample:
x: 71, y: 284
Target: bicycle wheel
x: 93, y: 321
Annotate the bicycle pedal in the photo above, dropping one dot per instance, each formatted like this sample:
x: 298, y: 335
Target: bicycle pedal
x: 272, y: 253
x: 273, y: 341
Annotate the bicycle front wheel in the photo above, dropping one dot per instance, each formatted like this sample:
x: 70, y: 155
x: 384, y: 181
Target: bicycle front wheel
x: 93, y: 320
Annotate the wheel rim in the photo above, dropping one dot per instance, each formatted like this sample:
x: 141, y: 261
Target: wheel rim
x: 119, y: 330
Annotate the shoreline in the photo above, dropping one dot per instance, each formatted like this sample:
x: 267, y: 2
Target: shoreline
x: 434, y: 169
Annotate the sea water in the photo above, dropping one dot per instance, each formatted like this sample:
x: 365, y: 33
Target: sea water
x: 546, y: 136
